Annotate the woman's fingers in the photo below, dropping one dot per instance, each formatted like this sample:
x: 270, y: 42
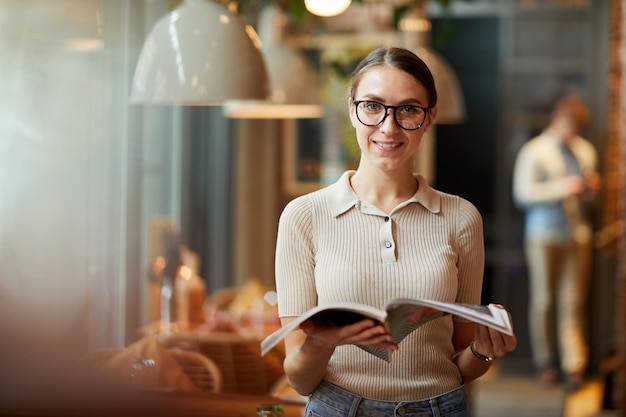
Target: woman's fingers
x: 365, y: 332
x: 493, y: 343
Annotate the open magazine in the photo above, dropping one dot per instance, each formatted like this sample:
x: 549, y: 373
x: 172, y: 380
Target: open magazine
x: 401, y: 316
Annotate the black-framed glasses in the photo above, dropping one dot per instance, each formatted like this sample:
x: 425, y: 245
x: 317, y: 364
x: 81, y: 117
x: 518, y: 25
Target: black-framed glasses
x: 407, y: 116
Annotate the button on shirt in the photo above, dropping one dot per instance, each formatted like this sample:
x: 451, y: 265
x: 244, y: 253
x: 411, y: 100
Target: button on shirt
x: 344, y: 199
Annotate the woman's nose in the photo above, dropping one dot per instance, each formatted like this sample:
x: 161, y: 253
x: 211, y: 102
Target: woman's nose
x: 389, y: 123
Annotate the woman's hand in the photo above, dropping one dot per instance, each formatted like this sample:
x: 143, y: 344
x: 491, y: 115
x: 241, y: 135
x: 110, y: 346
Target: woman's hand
x: 365, y: 332
x: 487, y: 343
x: 311, y: 346
x: 492, y: 343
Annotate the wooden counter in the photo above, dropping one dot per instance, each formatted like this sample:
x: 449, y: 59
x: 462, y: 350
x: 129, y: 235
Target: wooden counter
x: 219, y: 405
x: 103, y: 401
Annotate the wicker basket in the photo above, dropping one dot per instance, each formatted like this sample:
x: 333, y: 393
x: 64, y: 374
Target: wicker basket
x: 243, y: 368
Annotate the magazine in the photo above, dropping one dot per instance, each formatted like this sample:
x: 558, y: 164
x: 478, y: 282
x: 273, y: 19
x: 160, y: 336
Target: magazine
x: 401, y: 316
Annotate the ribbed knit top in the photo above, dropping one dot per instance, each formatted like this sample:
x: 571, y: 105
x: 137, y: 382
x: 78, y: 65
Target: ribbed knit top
x: 333, y: 246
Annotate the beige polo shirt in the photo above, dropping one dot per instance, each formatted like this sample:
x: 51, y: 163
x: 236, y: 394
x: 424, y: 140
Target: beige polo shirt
x: 333, y: 246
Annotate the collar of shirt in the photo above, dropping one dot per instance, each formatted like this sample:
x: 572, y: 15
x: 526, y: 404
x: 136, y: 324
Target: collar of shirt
x: 554, y: 140
x: 341, y: 197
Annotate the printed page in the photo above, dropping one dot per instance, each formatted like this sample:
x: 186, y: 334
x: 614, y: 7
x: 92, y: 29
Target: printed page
x: 491, y: 316
x: 403, y: 318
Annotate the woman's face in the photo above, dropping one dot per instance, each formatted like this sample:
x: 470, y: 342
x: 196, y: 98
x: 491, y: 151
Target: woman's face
x: 387, y: 146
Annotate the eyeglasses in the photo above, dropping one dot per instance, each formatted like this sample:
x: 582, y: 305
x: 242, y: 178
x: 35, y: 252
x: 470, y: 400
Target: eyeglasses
x: 407, y: 116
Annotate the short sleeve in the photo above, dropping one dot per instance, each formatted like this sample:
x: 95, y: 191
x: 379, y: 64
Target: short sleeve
x: 295, y: 259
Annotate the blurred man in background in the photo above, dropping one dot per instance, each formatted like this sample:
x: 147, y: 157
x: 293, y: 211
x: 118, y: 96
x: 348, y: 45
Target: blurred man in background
x: 555, y: 180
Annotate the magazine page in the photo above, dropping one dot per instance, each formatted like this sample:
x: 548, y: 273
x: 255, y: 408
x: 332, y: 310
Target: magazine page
x: 339, y: 314
x: 403, y: 318
x: 487, y: 315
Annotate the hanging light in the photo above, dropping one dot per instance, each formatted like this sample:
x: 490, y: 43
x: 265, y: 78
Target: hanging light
x: 327, y: 7
x: 415, y: 30
x: 295, y: 84
x: 200, y: 54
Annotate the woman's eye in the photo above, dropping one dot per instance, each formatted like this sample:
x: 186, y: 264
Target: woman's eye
x: 372, y: 106
x: 409, y: 110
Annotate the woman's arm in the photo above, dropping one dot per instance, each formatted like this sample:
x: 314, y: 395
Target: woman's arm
x: 470, y: 264
x: 310, y: 348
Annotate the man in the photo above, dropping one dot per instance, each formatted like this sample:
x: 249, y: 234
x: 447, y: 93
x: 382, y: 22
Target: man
x: 555, y: 180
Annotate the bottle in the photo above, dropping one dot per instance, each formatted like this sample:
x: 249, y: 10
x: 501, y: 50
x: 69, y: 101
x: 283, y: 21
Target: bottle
x: 168, y: 282
x: 190, y: 292
x: 269, y: 410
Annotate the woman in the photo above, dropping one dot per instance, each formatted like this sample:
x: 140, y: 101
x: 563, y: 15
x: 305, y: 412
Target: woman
x: 378, y: 233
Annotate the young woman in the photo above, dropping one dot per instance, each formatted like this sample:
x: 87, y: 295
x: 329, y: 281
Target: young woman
x: 378, y: 233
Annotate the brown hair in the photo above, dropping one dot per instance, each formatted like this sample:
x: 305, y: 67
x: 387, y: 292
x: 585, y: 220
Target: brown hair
x: 399, y: 58
x: 573, y: 107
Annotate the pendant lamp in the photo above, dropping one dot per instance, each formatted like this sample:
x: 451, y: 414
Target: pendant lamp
x: 200, y: 54
x: 295, y: 85
x: 327, y: 8
x: 415, y: 29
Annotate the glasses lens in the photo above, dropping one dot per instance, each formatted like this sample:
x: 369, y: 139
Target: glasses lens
x: 372, y: 113
x: 410, y: 117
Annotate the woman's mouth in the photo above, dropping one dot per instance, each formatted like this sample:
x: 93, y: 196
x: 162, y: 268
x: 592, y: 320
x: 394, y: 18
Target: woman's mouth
x: 388, y: 145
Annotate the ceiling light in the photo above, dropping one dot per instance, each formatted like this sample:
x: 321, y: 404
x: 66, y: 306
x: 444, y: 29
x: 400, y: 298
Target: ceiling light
x: 415, y: 31
x: 200, y: 54
x: 327, y: 7
x: 295, y: 84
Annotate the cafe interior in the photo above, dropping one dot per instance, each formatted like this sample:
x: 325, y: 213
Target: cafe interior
x: 148, y: 147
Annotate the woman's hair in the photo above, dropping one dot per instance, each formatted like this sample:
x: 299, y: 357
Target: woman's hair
x: 399, y: 58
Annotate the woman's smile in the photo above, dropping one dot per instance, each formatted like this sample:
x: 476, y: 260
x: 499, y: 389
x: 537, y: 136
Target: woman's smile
x: 388, y: 145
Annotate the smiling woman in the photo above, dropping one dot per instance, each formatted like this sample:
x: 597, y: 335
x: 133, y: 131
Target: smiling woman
x: 382, y: 232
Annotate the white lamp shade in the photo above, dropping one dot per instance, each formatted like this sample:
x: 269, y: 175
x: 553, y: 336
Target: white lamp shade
x: 415, y: 29
x: 295, y: 84
x: 450, y: 100
x: 200, y: 54
x: 292, y: 78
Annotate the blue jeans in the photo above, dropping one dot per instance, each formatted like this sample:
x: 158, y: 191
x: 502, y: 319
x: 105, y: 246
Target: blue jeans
x: 329, y: 400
